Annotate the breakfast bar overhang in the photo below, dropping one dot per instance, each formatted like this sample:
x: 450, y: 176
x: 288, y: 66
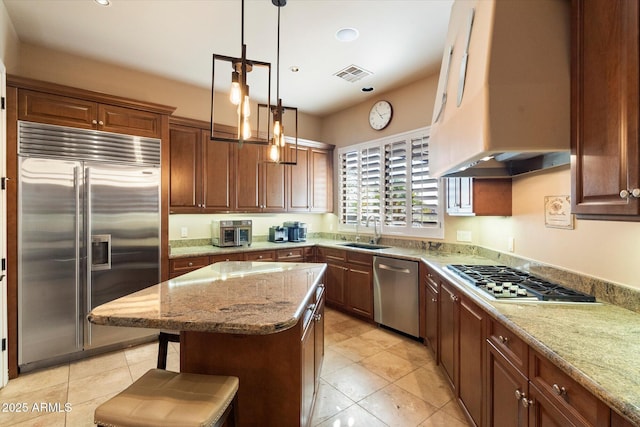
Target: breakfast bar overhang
x: 260, y: 321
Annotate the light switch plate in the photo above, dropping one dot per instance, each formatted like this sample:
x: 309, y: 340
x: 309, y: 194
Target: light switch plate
x: 184, y: 232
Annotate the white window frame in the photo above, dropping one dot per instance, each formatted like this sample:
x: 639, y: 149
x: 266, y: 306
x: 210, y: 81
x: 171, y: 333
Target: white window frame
x: 435, y: 231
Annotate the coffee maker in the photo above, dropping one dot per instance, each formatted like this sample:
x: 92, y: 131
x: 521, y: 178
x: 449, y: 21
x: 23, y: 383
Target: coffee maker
x: 278, y: 234
x: 297, y: 231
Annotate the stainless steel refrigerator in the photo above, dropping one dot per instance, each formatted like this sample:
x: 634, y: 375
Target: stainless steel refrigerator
x: 88, y: 233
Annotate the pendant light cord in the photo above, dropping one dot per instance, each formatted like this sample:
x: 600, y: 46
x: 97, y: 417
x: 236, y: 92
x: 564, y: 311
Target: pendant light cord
x: 278, y: 59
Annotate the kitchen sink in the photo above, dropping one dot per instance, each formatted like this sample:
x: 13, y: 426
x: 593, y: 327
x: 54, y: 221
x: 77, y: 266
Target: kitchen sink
x: 364, y: 245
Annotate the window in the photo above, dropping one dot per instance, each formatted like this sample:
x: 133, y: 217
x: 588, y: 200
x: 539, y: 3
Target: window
x: 388, y: 180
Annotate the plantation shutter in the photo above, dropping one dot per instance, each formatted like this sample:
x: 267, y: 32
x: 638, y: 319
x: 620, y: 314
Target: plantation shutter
x: 424, y: 189
x: 370, y: 165
x: 395, y: 184
x: 349, y: 196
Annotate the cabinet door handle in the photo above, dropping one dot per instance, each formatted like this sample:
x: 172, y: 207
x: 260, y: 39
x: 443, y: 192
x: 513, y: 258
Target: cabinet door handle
x: 260, y: 257
x: 434, y: 300
x: 519, y: 395
x: 454, y: 298
x: 526, y: 402
x: 317, y: 317
x: 94, y: 122
x: 503, y: 340
x: 190, y: 264
x: 101, y: 123
x: 559, y: 390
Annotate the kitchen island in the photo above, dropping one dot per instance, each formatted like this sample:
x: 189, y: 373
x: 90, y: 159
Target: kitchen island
x: 259, y: 321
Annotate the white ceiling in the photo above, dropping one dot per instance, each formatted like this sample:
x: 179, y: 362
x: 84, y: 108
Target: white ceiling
x: 400, y: 40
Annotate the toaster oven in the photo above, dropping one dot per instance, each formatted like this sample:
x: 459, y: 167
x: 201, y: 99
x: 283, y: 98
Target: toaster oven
x: 231, y: 232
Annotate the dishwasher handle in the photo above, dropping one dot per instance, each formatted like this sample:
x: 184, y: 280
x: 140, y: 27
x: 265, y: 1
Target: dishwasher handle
x: 394, y: 269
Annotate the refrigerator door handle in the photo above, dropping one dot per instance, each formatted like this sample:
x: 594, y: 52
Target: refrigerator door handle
x: 76, y: 186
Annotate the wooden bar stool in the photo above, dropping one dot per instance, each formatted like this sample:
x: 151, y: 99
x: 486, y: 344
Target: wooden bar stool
x: 163, y: 346
x: 163, y: 398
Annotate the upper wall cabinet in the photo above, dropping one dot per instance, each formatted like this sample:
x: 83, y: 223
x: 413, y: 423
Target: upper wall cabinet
x: 605, y: 161
x: 81, y: 113
x: 480, y: 197
x: 311, y: 180
x: 200, y: 170
x: 210, y: 176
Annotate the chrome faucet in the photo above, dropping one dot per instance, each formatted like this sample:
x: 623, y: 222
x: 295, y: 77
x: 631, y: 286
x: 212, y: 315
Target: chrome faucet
x: 376, y: 236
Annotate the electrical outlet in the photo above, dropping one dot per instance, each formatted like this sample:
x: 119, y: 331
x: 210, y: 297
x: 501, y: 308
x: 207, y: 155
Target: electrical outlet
x: 511, y: 244
x: 184, y: 232
x: 463, y: 236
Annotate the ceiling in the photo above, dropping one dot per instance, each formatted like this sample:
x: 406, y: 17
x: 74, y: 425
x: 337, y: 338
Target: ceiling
x: 400, y: 41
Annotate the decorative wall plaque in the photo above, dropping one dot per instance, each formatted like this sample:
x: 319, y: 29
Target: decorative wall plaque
x: 557, y: 212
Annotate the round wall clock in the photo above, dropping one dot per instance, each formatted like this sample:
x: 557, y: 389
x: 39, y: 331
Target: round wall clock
x: 380, y: 115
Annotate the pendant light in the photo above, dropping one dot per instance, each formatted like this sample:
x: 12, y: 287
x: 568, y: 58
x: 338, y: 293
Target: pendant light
x: 239, y: 93
x: 277, y: 144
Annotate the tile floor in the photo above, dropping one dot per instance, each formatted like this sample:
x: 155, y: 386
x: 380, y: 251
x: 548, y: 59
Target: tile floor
x: 370, y: 377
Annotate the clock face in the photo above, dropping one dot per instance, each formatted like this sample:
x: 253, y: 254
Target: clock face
x: 380, y: 115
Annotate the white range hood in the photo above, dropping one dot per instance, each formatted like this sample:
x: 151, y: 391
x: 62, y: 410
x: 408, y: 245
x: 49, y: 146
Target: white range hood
x: 504, y: 89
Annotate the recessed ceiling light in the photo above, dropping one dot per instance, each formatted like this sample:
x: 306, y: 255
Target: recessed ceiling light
x: 103, y: 2
x: 367, y: 89
x: 294, y: 68
x: 347, y: 34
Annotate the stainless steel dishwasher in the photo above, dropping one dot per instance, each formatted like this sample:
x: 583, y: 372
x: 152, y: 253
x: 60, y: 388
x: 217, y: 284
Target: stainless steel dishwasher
x: 395, y: 294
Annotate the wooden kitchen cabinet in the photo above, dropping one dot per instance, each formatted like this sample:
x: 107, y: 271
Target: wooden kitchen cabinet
x: 349, y: 281
x: 504, y: 381
x: 479, y: 197
x: 260, y: 186
x: 605, y: 152
x: 359, y: 285
x: 429, y: 313
x: 62, y: 110
x: 290, y: 255
x: 201, y: 171
x: 310, y: 181
x: 462, y: 335
x: 260, y: 256
x: 181, y: 266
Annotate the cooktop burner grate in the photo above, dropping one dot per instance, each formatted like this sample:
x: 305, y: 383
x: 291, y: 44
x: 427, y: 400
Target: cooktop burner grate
x: 501, y: 282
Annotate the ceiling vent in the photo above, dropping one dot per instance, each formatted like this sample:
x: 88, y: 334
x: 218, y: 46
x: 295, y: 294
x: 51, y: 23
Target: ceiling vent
x: 353, y: 73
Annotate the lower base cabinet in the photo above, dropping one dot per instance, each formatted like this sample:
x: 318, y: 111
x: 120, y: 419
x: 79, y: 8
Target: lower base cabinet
x: 349, y: 281
x: 498, y: 380
x: 279, y: 373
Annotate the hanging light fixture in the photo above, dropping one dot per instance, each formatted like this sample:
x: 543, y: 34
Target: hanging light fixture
x: 239, y: 92
x: 276, y: 137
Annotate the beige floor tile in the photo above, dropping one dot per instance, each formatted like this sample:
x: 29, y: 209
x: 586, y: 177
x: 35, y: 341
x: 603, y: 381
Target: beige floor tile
x: 355, y: 381
x: 428, y: 384
x: 333, y: 361
x: 334, y: 316
x: 388, y: 365
x: 329, y: 402
x: 356, y: 348
x: 95, y: 365
x: 82, y: 415
x: 413, y: 351
x: 397, y: 407
x: 442, y: 419
x: 107, y: 382
x: 382, y: 337
x: 453, y: 409
x: 28, y: 383
x: 352, y: 327
x: 28, y: 406
x: 139, y: 369
x: 353, y: 416
x: 334, y: 337
x: 141, y: 353
x: 56, y: 419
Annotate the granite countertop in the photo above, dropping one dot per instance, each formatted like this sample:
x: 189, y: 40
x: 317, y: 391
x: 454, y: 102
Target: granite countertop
x: 237, y: 297
x: 597, y: 345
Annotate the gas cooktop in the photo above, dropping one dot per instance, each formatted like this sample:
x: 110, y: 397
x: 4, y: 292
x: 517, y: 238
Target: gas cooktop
x: 504, y: 282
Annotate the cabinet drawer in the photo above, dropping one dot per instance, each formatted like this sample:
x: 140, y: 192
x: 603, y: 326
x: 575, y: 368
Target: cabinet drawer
x: 512, y: 348
x: 187, y: 264
x: 564, y: 392
x: 238, y: 256
x: 332, y: 254
x: 260, y: 256
x: 359, y: 258
x: 293, y: 254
